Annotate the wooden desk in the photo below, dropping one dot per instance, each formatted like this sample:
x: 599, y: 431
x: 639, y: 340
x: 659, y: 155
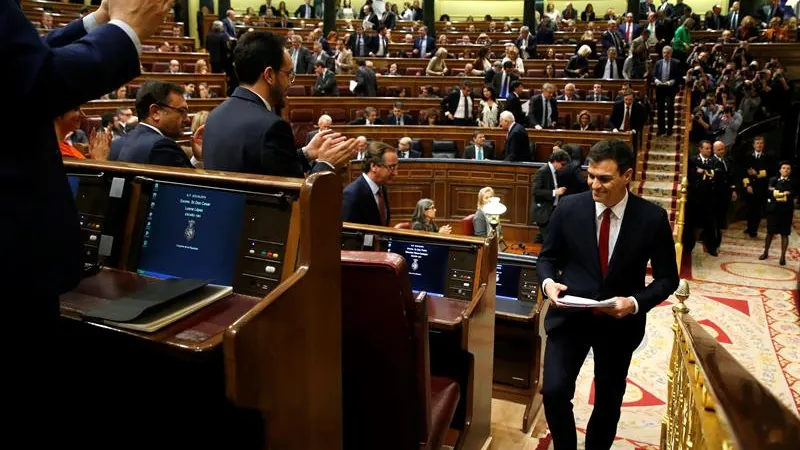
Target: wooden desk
x: 541, y: 140
x: 149, y: 58
x: 231, y: 366
x: 461, y: 331
x: 99, y: 107
x: 388, y: 86
x: 213, y: 79
x: 186, y: 44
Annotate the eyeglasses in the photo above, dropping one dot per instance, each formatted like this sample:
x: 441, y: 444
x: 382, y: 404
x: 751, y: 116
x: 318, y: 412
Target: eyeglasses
x: 181, y: 111
x: 391, y: 168
x: 290, y: 74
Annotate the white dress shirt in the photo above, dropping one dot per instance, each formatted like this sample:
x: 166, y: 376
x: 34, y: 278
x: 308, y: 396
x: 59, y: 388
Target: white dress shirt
x: 373, y: 186
x: 616, y: 217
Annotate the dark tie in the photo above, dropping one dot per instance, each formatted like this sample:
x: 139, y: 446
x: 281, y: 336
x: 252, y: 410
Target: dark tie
x: 602, y: 245
x: 382, y: 207
x: 626, y: 122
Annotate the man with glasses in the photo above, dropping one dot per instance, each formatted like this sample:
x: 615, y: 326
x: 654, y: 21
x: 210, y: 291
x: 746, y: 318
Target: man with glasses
x: 365, y: 199
x: 246, y: 132
x: 163, y: 115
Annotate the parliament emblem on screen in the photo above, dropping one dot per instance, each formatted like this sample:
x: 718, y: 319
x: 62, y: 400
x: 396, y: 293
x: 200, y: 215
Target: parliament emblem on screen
x: 414, y: 265
x: 189, y: 232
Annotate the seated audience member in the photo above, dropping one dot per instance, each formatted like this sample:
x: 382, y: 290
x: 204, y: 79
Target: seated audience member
x: 323, y: 123
x: 365, y: 199
x: 198, y: 130
x: 370, y: 117
x: 399, y: 116
x: 404, y: 149
x: 480, y: 221
x: 477, y: 150
x: 163, y: 114
x: 584, y: 122
x: 569, y: 94
x: 432, y: 117
x: 201, y: 67
x: 67, y: 124
x: 423, y: 218
x: 597, y: 94
x: 174, y: 67
x: 609, y: 67
x: 325, y: 84
x: 361, y: 147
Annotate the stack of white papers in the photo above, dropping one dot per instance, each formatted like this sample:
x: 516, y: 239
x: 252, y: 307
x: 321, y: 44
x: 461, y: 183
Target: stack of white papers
x: 580, y: 302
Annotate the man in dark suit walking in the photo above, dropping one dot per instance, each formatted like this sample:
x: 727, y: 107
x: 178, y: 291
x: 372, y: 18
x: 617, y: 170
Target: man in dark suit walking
x: 366, y: 81
x: 627, y: 115
x: 40, y: 233
x: 326, y: 81
x: 546, y: 191
x: 598, y: 248
x: 244, y: 134
x: 518, y: 147
x: 163, y: 114
x: 543, y: 108
x: 365, y: 200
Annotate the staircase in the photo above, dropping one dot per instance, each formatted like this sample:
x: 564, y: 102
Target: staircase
x: 658, y: 164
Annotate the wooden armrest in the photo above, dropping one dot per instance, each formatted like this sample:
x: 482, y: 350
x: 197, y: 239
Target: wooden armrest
x: 474, y: 303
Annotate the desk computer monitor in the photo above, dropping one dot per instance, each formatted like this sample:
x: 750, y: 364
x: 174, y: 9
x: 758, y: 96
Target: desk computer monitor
x: 92, y: 194
x: 516, y: 278
x: 228, y: 237
x: 443, y: 270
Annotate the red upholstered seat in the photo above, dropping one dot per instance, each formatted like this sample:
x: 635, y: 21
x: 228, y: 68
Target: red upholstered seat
x: 390, y: 400
x: 466, y: 225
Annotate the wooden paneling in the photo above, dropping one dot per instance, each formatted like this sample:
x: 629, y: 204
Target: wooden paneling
x: 462, y: 135
x: 455, y: 188
x: 98, y: 107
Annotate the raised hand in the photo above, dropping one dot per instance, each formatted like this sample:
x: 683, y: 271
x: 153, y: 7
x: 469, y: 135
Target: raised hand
x: 144, y: 16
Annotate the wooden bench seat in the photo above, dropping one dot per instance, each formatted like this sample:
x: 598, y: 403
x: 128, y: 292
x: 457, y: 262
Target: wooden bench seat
x: 152, y: 61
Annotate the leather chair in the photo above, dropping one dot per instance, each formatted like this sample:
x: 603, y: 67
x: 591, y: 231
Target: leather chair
x: 391, y: 401
x: 466, y: 225
x: 403, y: 226
x: 444, y: 149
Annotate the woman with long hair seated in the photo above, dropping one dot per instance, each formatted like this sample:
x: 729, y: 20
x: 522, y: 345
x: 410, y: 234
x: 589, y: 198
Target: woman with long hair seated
x: 423, y: 218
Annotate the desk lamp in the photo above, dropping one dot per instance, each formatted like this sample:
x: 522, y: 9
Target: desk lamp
x: 493, y: 210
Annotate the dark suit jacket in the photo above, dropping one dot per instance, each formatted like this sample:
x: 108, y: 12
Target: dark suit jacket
x: 411, y: 153
x: 146, y: 146
x: 51, y: 75
x: 430, y: 46
x: 242, y: 135
x: 674, y: 73
x: 326, y: 84
x: 600, y: 68
x: 518, y: 147
x: 514, y: 106
x: 618, y: 115
x: 407, y: 120
x: 469, y: 152
x: 535, y: 111
x: 497, y: 82
x: 375, y: 43
x: 359, y: 206
x: 353, y: 45
x: 542, y: 195
x: 530, y: 46
x: 570, y: 256
x: 304, y: 61
x: 363, y: 121
x: 300, y: 12
x: 218, y: 51
x: 366, y: 83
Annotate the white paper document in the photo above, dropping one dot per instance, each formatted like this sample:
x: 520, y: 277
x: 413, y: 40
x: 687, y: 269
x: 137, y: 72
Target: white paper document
x: 580, y: 302
x: 353, y: 84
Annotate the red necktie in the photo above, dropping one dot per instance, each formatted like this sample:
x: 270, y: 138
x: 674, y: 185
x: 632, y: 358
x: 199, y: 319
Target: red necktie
x: 382, y: 208
x: 602, y: 245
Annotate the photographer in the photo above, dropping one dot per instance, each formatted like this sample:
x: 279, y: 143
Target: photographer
x: 751, y: 103
x: 727, y: 124
x: 704, y: 116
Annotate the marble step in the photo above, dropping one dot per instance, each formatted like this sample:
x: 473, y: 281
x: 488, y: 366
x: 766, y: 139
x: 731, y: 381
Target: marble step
x: 655, y: 175
x: 664, y: 202
x: 657, y: 188
x: 661, y: 155
x: 662, y: 166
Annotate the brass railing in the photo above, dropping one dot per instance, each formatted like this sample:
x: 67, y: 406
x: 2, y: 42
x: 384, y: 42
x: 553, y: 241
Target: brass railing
x: 680, y: 207
x: 713, y: 402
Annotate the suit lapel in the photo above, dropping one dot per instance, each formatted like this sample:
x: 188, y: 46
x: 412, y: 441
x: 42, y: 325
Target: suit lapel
x: 589, y: 236
x: 376, y: 215
x: 625, y: 233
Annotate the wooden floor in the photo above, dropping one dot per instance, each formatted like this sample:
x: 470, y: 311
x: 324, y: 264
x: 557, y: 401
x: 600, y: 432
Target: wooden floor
x: 507, y: 424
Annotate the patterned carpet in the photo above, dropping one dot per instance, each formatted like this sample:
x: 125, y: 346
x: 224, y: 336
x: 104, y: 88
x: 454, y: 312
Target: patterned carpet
x: 749, y: 305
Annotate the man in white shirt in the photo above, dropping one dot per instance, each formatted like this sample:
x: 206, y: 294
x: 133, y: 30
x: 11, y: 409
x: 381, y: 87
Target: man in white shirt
x: 595, y: 250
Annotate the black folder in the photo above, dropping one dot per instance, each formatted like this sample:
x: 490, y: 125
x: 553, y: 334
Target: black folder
x: 152, y: 297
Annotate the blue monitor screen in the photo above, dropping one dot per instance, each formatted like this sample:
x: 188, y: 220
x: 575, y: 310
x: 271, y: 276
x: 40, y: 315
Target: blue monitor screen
x: 73, y: 184
x: 427, y: 264
x: 508, y: 281
x: 192, y: 232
